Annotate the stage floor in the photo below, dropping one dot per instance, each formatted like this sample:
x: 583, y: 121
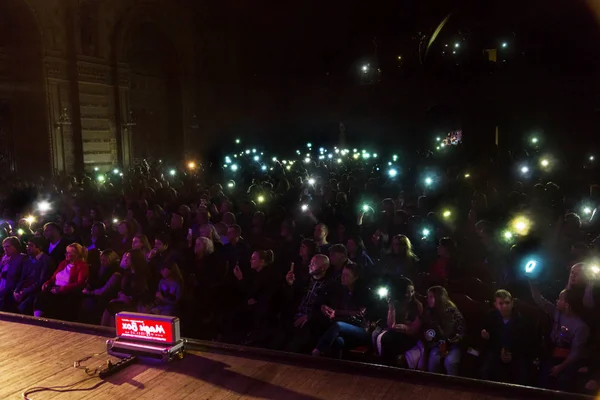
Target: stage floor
x: 34, y: 356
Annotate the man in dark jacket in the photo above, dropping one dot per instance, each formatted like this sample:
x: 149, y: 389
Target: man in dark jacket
x: 37, y: 269
x: 57, y: 245
x: 306, y: 296
x: 507, y: 342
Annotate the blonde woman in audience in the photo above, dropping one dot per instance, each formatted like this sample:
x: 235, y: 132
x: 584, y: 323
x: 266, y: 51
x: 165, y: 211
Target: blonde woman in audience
x: 61, y: 294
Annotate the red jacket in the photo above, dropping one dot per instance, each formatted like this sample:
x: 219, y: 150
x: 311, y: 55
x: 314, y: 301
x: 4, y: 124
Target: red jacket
x: 77, y: 277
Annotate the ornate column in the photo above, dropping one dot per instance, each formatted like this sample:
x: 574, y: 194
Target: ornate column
x: 59, y: 112
x: 124, y: 114
x: 63, y: 128
x: 128, y: 134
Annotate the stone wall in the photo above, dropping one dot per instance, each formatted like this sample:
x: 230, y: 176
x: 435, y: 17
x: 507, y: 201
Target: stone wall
x: 83, y: 55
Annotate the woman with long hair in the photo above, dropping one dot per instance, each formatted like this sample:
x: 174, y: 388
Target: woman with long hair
x: 61, y: 294
x: 403, y: 322
x: 401, y: 260
x: 357, y: 252
x: 141, y: 242
x: 444, y: 328
x: 101, y: 288
x: 134, y: 287
x: 170, y: 290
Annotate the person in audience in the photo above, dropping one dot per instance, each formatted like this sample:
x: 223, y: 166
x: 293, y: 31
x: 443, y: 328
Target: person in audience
x: 11, y: 266
x: 357, y: 252
x: 161, y: 254
x: 98, y: 239
x: 401, y: 260
x: 70, y: 233
x: 209, y: 231
x: 403, y: 325
x: 444, y: 328
x: 568, y: 337
x: 61, y: 294
x: 101, y: 287
x: 306, y: 323
x: 346, y: 306
x: 320, y: 236
x: 445, y: 266
x: 57, y: 246
x: 134, y: 288
x: 126, y: 232
x: 258, y: 291
x: 236, y: 252
x: 582, y: 280
x: 37, y: 269
x: 140, y: 242
x: 170, y: 291
x: 507, y: 342
x: 307, y: 250
x: 338, y: 256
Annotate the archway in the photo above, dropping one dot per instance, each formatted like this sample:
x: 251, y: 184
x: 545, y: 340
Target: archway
x: 24, y: 141
x: 155, y: 96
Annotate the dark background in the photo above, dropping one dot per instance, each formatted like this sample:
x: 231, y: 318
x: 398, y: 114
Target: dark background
x: 289, y: 72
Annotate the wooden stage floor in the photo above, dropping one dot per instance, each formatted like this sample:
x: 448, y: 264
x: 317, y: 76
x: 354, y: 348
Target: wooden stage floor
x: 34, y: 356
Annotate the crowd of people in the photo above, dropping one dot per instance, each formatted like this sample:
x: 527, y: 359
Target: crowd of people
x: 447, y: 270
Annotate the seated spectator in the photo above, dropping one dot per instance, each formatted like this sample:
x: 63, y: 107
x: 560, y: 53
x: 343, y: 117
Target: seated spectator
x: 170, y: 291
x: 140, y: 242
x: 357, y: 252
x: 209, y: 231
x: 236, y: 252
x: 320, y: 236
x: 11, y: 266
x: 308, y: 249
x: 161, y: 254
x: 568, y: 338
x: 70, y: 233
x: 507, y: 342
x: 126, y: 232
x: 61, y: 294
x: 178, y: 234
x: 403, y: 324
x: 346, y: 306
x: 338, y: 256
x: 582, y: 281
x: 258, y: 290
x: 401, y: 260
x: 98, y: 239
x: 57, y: 245
x: 444, y: 328
x: 134, y: 288
x: 306, y: 323
x: 37, y: 269
x: 101, y: 287
x: 445, y: 265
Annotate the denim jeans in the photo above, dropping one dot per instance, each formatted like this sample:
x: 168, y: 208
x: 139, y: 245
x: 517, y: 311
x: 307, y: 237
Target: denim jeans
x: 341, y: 334
x: 451, y: 362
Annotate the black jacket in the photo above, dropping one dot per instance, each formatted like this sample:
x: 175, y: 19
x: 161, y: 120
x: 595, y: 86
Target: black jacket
x: 34, y: 274
x: 517, y: 339
x: 58, y: 254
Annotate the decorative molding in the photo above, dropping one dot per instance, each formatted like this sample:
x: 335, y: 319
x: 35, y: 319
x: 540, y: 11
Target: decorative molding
x: 63, y: 118
x: 56, y: 68
x: 91, y: 73
x: 107, y: 140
